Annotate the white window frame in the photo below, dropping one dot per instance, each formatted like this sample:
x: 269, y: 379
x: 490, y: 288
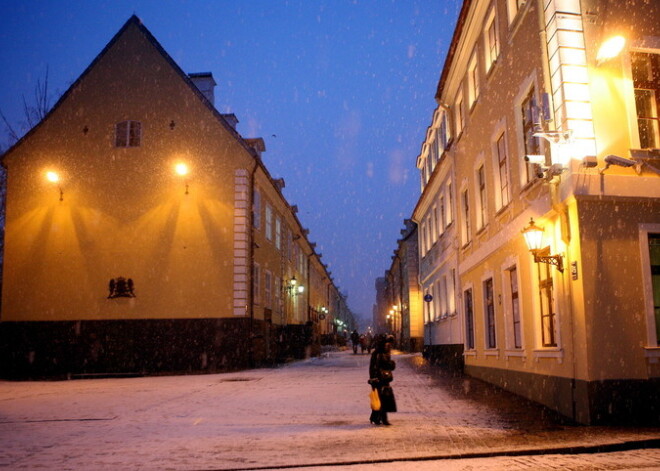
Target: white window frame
x: 473, y: 79
x: 481, y: 194
x: 503, y: 192
x: 489, y: 276
x: 278, y: 232
x: 470, y: 350
x: 466, y: 224
x: 491, y: 44
x: 268, y: 232
x: 459, y: 113
x: 128, y: 133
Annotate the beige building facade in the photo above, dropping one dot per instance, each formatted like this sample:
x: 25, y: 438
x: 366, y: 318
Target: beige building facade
x: 538, y: 128
x: 144, y: 234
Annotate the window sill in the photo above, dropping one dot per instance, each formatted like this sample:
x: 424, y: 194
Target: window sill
x: 470, y: 353
x: 551, y: 352
x: 515, y: 353
x: 503, y: 209
x: 492, y: 352
x: 652, y: 353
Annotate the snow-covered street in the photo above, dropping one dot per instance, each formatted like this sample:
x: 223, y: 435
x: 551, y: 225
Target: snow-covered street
x: 307, y: 413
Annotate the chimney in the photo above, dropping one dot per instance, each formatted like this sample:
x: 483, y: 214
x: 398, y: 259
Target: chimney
x: 205, y: 83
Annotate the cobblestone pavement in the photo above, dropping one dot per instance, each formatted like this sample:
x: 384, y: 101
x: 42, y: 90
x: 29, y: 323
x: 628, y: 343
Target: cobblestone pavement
x: 306, y: 414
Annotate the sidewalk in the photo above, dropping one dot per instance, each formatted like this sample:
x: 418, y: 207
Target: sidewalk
x: 306, y: 413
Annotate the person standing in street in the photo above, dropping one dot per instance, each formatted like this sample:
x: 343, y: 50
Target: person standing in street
x: 355, y: 340
x: 381, y: 366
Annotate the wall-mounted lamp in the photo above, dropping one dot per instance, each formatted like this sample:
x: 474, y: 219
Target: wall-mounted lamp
x: 293, y: 288
x: 53, y: 177
x: 611, y: 48
x: 182, y: 169
x: 534, y: 238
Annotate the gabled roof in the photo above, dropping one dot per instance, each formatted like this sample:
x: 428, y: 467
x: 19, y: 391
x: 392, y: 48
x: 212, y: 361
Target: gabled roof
x: 135, y: 21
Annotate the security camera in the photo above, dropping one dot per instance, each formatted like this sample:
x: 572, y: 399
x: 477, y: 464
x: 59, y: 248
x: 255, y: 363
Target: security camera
x: 538, y: 170
x: 535, y: 158
x: 620, y: 161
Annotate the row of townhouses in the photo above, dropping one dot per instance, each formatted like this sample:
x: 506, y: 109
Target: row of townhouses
x: 538, y: 223
x: 144, y: 234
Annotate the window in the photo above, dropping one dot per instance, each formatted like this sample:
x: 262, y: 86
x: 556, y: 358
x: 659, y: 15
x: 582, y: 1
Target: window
x: 548, y: 334
x: 459, y: 115
x: 434, y: 225
x: 532, y: 145
x: 654, y: 258
x: 465, y: 226
x: 278, y: 232
x: 431, y: 305
x: 449, y: 210
x: 481, y: 197
x: 515, y: 307
x: 491, y: 40
x: 256, y: 275
x: 514, y: 6
x: 451, y: 294
x: 469, y: 320
x: 443, y: 134
x: 646, y: 80
x: 503, y: 171
x: 439, y: 217
x: 269, y: 222
x: 489, y: 311
x: 128, y: 134
x: 443, y: 213
x: 256, y: 209
x: 268, y: 286
x: 473, y: 80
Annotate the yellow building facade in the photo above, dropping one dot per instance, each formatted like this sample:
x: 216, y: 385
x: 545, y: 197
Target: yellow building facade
x: 536, y: 128
x: 144, y: 234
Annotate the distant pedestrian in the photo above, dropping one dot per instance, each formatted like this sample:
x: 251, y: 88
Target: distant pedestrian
x: 380, y: 377
x: 370, y: 342
x: 355, y: 340
x: 363, y: 343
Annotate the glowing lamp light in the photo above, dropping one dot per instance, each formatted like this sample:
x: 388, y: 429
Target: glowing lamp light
x: 53, y: 177
x: 611, y: 48
x: 533, y: 235
x: 181, y: 169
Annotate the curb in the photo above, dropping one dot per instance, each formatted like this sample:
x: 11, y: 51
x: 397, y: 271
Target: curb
x: 563, y: 450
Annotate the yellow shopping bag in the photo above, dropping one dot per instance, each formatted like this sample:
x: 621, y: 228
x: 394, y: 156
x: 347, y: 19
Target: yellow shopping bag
x: 374, y: 399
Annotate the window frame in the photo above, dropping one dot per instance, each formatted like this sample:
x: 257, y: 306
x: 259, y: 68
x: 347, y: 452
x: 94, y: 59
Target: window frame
x: 468, y: 309
x: 490, y: 330
x: 130, y: 136
x: 492, y: 45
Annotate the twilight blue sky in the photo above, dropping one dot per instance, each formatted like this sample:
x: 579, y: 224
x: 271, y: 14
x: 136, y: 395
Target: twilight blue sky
x: 341, y: 91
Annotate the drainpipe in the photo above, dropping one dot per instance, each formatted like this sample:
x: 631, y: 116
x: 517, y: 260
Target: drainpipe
x: 251, y: 265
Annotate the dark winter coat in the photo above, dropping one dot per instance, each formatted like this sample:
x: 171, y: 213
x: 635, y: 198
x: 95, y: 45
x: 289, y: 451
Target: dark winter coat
x: 380, y: 377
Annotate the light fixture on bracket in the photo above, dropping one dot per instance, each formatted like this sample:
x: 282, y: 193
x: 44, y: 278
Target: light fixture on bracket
x: 293, y: 288
x: 53, y: 177
x: 534, y: 238
x: 555, y: 137
x: 183, y: 170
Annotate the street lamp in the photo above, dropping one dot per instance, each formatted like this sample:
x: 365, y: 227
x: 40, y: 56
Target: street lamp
x: 53, y: 177
x: 534, y: 239
x: 611, y: 48
x: 182, y: 169
x: 293, y: 288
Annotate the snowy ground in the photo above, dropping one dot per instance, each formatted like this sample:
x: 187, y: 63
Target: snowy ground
x: 311, y: 413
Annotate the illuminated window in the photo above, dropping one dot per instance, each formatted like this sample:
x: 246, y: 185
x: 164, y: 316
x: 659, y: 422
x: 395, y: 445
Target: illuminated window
x: 503, y: 171
x: 128, y: 134
x: 473, y: 80
x: 654, y: 259
x: 489, y: 312
x: 646, y: 80
x: 548, y: 333
x: 481, y: 197
x: 491, y: 40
